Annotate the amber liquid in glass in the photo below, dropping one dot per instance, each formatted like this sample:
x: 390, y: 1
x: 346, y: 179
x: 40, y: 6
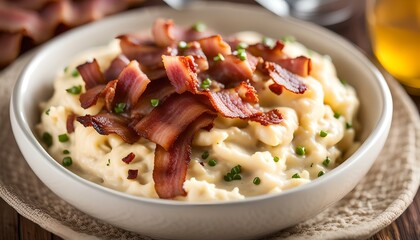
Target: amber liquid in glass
x: 394, y: 27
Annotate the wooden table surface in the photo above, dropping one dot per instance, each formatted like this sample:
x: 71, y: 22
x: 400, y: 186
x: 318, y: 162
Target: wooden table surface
x: 407, y: 226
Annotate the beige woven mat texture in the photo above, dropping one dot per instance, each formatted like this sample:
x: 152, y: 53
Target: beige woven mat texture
x: 378, y: 199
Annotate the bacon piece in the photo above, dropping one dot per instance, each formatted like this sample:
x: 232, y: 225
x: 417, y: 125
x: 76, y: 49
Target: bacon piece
x: 247, y: 92
x: 181, y: 71
x: 107, y: 123
x: 301, y: 65
x: 70, y: 122
x: 162, y: 32
x: 214, y: 45
x: 132, y: 82
x: 91, y: 74
x: 276, y: 88
x: 132, y: 173
x: 266, y: 52
x: 284, y: 78
x: 147, y: 53
x: 157, y: 89
x: 194, y: 49
x: 271, y: 117
x: 116, y: 67
x: 91, y: 96
x: 167, y: 121
x: 170, y: 166
x: 130, y: 157
x: 231, y: 71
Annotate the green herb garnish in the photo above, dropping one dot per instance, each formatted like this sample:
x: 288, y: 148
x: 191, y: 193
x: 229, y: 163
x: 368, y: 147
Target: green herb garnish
x: 154, y: 102
x: 47, y: 139
x: 119, y: 108
x: 205, y: 84
x: 205, y: 155
x: 288, y: 38
x: 337, y: 115
x: 323, y: 133
x: 66, y: 151
x: 75, y: 73
x: 219, y: 57
x: 276, y: 158
x: 269, y: 42
x: 241, y: 45
x: 296, y: 175
x: 199, y: 26
x: 326, y: 161
x: 63, y: 137
x: 233, y: 174
x: 75, y: 90
x: 320, y: 173
x: 212, y: 162
x: 182, y: 45
x: 48, y: 111
x: 67, y: 161
x: 348, y: 125
x: 109, y: 162
x: 256, y: 181
x: 300, y: 150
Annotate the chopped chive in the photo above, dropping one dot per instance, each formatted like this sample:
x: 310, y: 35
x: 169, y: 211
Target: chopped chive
x: 337, y: 115
x: 296, y: 175
x: 205, y: 155
x: 47, y: 139
x: 67, y: 161
x: 109, y: 162
x: 323, y: 133
x: 66, y: 69
x: 154, y: 102
x: 241, y: 45
x: 212, y: 162
x: 199, y: 26
x: 300, y: 150
x: 312, y: 164
x: 205, y: 84
x: 348, y: 125
x: 269, y: 42
x: 48, y: 111
x: 65, y: 151
x: 75, y: 73
x: 74, y: 90
x: 326, y: 161
x: 256, y: 181
x: 343, y: 81
x: 288, y: 38
x: 276, y: 158
x: 242, y: 55
x: 219, y: 57
x: 233, y: 174
x: 320, y: 173
x: 63, y: 137
x: 119, y: 108
x: 182, y: 45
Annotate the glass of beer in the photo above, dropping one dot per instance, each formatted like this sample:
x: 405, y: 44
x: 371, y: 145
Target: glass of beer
x: 394, y: 28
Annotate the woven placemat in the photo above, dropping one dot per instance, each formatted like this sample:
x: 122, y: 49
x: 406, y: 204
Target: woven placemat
x: 378, y: 199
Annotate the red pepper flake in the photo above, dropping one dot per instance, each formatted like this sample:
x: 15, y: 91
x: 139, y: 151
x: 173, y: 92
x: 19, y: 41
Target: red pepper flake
x: 70, y: 123
x: 129, y: 158
x: 132, y: 173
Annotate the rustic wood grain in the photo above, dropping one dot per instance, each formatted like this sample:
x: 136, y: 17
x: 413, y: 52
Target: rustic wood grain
x: 406, y: 227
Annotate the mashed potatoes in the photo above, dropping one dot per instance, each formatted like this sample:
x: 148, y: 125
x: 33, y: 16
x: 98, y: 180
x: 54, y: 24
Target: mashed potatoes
x: 317, y: 133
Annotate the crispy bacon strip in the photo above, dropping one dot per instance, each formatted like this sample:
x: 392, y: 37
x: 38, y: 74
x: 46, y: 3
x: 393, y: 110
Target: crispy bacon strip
x: 228, y: 102
x: 129, y: 158
x: 147, y: 53
x: 91, y: 96
x: 132, y: 82
x: 116, y: 67
x: 214, y: 45
x: 266, y: 52
x: 232, y: 70
x: 181, y: 72
x: 194, y: 49
x: 70, y: 122
x: 170, y: 167
x: 301, y: 65
x: 167, y: 121
x: 107, y: 123
x: 284, y: 78
x: 91, y: 74
x: 163, y: 32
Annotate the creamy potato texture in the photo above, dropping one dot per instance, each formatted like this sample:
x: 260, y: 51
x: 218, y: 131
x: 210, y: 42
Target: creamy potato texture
x: 317, y: 134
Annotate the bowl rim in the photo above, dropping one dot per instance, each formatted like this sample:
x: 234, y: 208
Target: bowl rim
x: 372, y: 138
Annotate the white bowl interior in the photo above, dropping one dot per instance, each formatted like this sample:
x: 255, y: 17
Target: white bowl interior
x: 35, y: 85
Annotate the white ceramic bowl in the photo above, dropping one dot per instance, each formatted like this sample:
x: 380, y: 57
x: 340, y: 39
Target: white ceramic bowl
x: 250, y: 218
